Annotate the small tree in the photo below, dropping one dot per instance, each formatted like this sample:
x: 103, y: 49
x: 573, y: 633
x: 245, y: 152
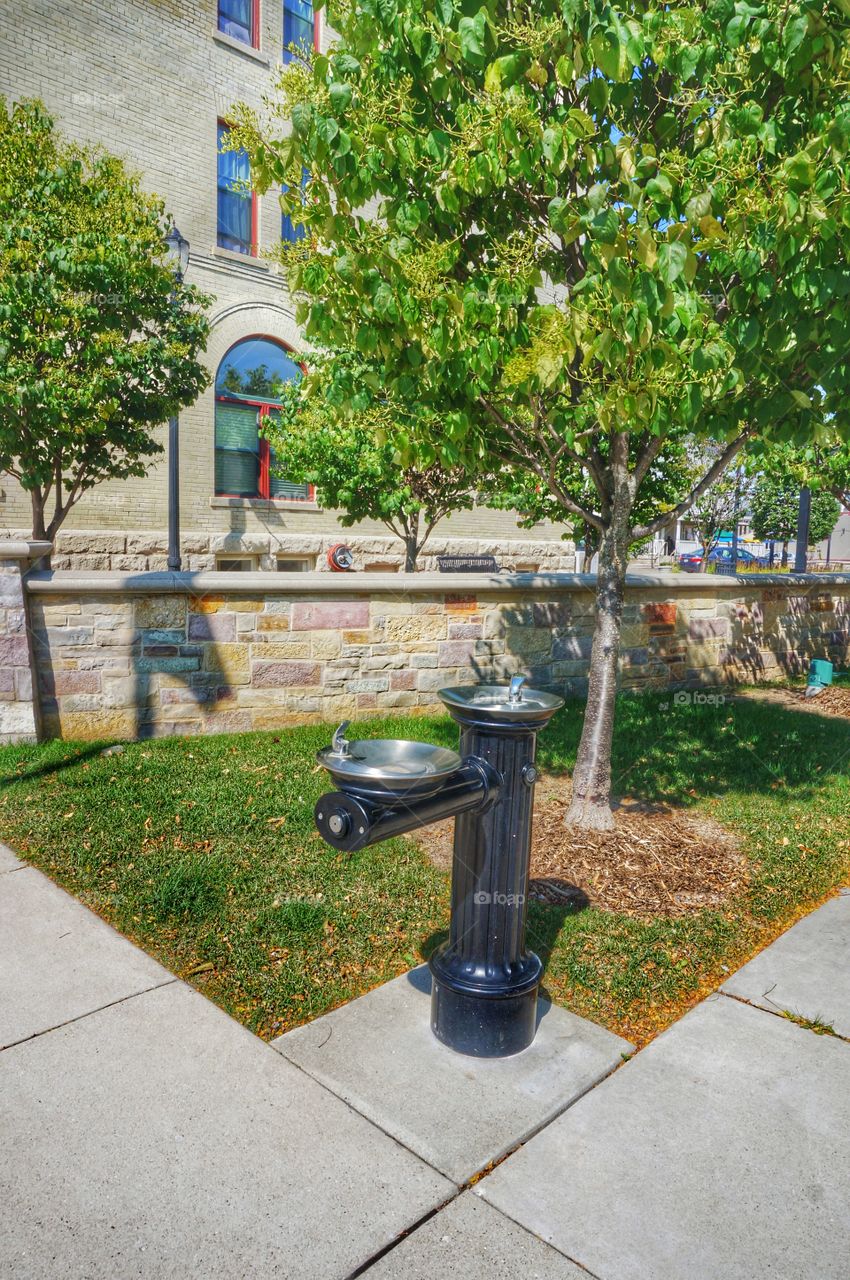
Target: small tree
x: 356, y: 470
x: 717, y: 508
x: 775, y: 506
x: 98, y: 343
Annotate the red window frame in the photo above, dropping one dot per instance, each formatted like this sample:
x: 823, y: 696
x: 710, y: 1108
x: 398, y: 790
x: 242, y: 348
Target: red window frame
x: 225, y: 124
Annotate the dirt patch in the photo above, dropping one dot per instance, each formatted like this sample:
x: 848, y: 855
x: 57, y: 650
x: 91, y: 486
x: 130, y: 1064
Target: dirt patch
x: 658, y: 861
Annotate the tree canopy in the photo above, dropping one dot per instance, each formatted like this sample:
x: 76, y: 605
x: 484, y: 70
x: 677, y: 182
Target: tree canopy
x: 356, y: 470
x: 574, y: 233
x: 98, y: 342
x: 775, y: 506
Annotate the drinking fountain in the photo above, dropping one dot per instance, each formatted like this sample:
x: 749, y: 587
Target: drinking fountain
x: 485, y: 981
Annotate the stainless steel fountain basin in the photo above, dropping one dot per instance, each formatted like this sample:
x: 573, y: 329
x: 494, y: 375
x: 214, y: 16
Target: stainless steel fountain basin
x: 390, y: 766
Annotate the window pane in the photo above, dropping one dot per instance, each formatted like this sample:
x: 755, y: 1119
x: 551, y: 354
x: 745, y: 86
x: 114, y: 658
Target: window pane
x: 235, y: 204
x: 236, y: 450
x: 235, y: 19
x: 236, y: 473
x: 257, y: 368
x: 298, y: 26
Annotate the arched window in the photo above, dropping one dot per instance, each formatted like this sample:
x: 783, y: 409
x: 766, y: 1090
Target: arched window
x: 248, y: 386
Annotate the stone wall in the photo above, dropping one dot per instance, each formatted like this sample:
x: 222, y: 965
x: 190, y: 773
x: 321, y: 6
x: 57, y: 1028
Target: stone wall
x: 18, y: 706
x: 120, y: 655
x: 142, y: 551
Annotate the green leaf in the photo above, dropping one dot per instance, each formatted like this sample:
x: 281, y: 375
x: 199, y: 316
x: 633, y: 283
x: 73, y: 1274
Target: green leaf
x: 340, y: 95
x: 795, y: 33
x: 672, y: 259
x: 471, y: 32
x: 553, y: 139
x: 800, y: 169
x: 301, y: 116
x: 503, y: 72
x: 565, y: 71
x: 698, y: 206
x: 659, y: 187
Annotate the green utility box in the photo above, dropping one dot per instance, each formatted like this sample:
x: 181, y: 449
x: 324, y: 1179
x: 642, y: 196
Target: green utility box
x: 820, y: 673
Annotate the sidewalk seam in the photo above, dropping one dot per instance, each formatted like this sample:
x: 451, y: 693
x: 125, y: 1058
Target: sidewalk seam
x: 89, y: 1012
x: 780, y: 1013
x: 593, y: 1274
x: 460, y: 1186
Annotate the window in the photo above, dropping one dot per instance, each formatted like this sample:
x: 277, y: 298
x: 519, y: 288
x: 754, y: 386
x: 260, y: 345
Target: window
x: 240, y: 19
x: 235, y: 564
x: 237, y: 204
x: 304, y: 564
x: 299, y: 27
x: 248, y: 387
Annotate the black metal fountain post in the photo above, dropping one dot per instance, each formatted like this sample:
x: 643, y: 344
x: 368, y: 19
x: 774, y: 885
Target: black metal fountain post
x: 485, y: 981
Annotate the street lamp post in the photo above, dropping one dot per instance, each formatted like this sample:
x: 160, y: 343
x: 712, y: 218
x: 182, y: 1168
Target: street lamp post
x: 177, y: 248
x: 803, y: 518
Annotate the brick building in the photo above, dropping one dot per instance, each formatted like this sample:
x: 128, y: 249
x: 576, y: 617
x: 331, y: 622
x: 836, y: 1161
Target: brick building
x: 154, y: 84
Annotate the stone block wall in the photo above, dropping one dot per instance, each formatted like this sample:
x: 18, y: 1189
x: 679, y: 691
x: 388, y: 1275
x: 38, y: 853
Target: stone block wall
x: 120, y: 656
x: 18, y: 706
x: 138, y: 552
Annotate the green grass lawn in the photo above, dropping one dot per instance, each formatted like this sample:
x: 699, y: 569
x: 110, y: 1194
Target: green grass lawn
x: 203, y: 851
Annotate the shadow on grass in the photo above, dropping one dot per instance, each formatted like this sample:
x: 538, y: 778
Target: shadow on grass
x: 44, y: 768
x: 677, y: 751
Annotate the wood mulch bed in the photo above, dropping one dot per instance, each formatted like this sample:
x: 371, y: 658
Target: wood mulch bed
x: 658, y: 861
x: 834, y: 700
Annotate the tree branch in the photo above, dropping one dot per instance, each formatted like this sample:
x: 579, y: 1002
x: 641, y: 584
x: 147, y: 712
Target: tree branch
x: 546, y: 475
x: 676, y: 513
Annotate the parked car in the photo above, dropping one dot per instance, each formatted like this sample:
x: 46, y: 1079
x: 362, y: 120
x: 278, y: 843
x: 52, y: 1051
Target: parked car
x: 721, y: 557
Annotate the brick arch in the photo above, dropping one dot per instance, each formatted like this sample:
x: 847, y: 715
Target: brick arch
x: 245, y: 319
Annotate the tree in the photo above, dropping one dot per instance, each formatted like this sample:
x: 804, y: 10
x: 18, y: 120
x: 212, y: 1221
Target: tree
x: 775, y: 506
x: 98, y: 343
x: 356, y: 469
x: 594, y: 229
x: 717, y: 508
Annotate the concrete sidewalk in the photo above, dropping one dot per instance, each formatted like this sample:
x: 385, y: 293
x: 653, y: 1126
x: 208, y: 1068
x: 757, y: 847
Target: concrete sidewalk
x: 144, y: 1133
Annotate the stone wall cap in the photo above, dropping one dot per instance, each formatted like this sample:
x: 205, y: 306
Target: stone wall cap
x: 65, y: 582
x: 17, y: 549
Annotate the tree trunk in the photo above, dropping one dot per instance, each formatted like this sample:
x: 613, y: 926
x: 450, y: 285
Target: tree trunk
x: 784, y: 560
x: 591, y: 802
x: 39, y: 531
x: 411, y: 540
x: 410, y: 552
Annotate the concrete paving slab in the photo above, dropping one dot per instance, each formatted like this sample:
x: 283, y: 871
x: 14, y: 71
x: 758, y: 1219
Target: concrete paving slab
x: 722, y: 1149
x: 470, y: 1239
x: 58, y: 960
x: 456, y: 1112
x: 158, y: 1138
x: 8, y: 861
x: 806, y: 971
